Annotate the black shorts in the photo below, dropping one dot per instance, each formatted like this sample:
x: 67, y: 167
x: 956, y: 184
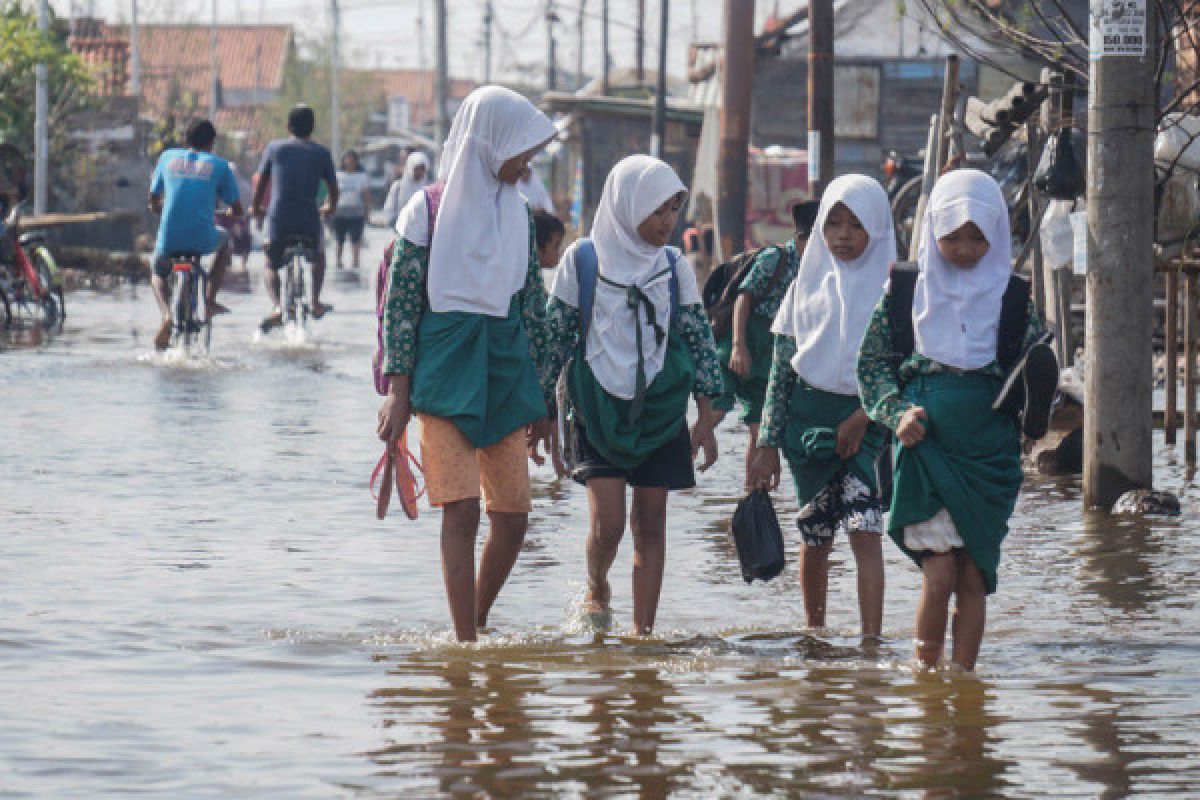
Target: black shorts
x: 349, y: 228
x: 668, y: 467
x: 276, y: 249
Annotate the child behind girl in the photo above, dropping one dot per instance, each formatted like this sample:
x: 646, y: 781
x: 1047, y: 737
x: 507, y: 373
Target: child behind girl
x: 646, y: 346
x: 812, y: 408
x: 958, y: 470
x: 463, y: 327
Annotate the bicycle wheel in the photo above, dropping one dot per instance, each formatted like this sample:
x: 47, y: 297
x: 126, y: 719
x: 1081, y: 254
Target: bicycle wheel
x: 904, y: 214
x: 287, y: 292
x: 5, y: 309
x: 48, y: 271
x: 53, y: 309
x: 181, y: 308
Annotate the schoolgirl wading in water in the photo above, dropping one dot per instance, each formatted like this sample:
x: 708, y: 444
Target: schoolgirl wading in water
x: 465, y: 336
x: 641, y: 344
x: 812, y: 408
x: 957, y: 469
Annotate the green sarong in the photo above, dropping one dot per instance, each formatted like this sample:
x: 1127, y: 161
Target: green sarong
x: 626, y: 442
x: 475, y: 371
x: 810, y: 439
x: 750, y: 391
x: 968, y: 463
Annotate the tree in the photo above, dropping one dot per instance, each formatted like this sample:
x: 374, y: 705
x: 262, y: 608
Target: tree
x: 22, y: 47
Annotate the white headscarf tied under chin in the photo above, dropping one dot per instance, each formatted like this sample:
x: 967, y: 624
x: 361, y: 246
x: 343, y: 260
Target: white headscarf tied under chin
x: 480, y: 250
x: 634, y: 190
x: 829, y: 305
x: 956, y: 312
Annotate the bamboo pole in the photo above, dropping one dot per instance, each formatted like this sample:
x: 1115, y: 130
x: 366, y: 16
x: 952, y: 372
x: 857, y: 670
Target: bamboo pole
x: 1171, y: 367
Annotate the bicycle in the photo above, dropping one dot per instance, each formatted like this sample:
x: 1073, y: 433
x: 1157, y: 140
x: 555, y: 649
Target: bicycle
x: 295, y: 280
x: 29, y: 278
x: 190, y: 322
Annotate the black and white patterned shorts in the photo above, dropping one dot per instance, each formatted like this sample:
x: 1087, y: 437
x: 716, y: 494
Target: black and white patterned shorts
x: 844, y: 504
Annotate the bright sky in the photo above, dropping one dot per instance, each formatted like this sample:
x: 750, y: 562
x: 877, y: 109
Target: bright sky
x: 384, y: 32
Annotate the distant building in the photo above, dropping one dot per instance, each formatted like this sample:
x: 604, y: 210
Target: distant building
x: 406, y: 96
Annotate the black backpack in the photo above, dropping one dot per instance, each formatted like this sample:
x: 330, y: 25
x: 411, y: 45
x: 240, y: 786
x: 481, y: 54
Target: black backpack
x: 721, y: 289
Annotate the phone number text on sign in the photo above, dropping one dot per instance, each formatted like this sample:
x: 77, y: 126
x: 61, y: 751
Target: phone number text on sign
x: 1119, y: 29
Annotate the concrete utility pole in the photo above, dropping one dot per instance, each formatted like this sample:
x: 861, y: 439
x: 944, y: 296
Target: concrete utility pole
x: 213, y: 66
x: 1120, y: 280
x: 422, y: 61
x: 440, y: 122
x: 335, y: 63
x: 487, y: 41
x: 604, y: 46
x: 579, y: 51
x: 551, y: 58
x: 135, y: 54
x: 820, y: 95
x: 736, y: 89
x: 640, y: 41
x: 41, y: 123
x: 659, y: 137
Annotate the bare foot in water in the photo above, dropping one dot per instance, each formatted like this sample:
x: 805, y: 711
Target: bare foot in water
x: 163, y: 337
x: 596, y: 608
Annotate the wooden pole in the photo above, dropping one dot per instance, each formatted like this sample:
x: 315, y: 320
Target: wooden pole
x: 928, y: 178
x: 949, y: 101
x: 1189, y: 367
x: 736, y: 90
x: 1036, y: 275
x: 1171, y: 365
x: 820, y: 96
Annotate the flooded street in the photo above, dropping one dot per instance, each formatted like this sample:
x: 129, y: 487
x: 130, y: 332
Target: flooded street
x: 197, y: 601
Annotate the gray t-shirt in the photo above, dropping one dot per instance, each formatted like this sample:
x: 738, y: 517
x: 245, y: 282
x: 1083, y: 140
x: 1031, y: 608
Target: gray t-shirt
x: 295, y: 168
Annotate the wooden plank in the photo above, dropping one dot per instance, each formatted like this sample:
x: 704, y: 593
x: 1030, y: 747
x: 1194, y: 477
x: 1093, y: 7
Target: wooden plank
x: 1171, y: 367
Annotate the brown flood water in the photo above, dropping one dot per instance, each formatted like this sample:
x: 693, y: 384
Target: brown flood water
x: 198, y: 602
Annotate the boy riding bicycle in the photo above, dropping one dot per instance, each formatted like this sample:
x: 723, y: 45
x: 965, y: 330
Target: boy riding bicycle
x: 185, y: 189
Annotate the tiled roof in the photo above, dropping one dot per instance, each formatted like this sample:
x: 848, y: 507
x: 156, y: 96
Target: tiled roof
x: 250, y: 58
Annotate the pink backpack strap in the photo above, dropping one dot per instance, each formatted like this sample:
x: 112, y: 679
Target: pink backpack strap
x: 433, y: 203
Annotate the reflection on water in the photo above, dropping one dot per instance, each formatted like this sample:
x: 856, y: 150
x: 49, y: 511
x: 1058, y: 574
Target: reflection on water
x: 198, y: 601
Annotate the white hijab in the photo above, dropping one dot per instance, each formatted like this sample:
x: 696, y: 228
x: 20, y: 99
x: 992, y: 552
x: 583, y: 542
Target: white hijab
x: 409, y: 184
x: 634, y: 190
x: 480, y: 249
x: 829, y: 304
x: 956, y: 312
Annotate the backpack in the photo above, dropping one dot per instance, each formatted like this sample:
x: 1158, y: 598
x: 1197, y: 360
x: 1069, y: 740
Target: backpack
x: 433, y: 201
x: 1013, y: 317
x: 721, y: 290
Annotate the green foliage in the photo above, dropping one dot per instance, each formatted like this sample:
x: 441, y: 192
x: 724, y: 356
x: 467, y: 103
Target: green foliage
x: 22, y: 47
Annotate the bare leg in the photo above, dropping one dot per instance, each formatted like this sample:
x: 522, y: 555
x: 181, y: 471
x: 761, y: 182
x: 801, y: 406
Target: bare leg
x: 940, y: 577
x: 606, y: 501
x: 460, y: 522
x: 970, y: 612
x: 339, y: 253
x: 868, y: 556
x: 318, y: 276
x: 220, y: 264
x: 500, y: 551
x: 814, y: 581
x: 648, y: 519
x: 271, y: 281
x: 163, y: 337
x: 355, y: 252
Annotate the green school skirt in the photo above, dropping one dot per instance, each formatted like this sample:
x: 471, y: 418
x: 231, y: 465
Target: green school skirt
x: 475, y: 371
x: 810, y: 438
x: 750, y: 391
x: 968, y: 463
x: 621, y: 441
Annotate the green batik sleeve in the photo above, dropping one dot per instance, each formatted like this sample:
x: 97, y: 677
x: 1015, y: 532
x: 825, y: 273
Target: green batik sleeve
x: 1034, y: 327
x: 779, y: 393
x: 404, y: 306
x: 759, y: 275
x: 562, y: 326
x: 727, y: 399
x: 693, y: 325
x: 533, y: 313
x: 878, y: 381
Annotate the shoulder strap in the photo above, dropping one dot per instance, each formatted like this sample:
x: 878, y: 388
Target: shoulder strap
x: 672, y: 259
x: 586, y: 271
x: 902, y: 285
x: 433, y: 203
x: 1013, y: 321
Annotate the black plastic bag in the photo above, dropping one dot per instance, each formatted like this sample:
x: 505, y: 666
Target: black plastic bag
x: 1061, y: 173
x: 758, y: 538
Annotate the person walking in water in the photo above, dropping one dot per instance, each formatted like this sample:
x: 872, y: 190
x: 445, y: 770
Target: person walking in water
x: 931, y: 364
x: 628, y: 308
x: 745, y: 351
x: 812, y: 407
x: 465, y: 343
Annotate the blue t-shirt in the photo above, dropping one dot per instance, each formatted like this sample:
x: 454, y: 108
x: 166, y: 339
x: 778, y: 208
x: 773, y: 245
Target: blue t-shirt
x: 295, y: 168
x: 190, y: 183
